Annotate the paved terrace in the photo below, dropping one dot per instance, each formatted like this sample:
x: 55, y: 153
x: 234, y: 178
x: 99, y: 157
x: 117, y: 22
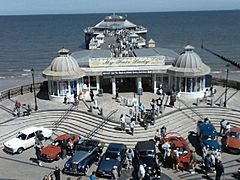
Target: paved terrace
x: 78, y: 122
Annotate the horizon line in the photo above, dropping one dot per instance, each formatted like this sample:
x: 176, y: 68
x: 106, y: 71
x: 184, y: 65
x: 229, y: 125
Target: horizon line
x: 76, y: 13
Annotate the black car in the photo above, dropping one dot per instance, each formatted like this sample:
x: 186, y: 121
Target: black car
x: 84, y: 155
x: 114, y: 156
x: 146, y: 154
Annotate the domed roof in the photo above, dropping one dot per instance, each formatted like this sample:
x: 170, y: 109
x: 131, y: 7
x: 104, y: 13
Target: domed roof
x: 188, y: 59
x: 63, y: 67
x: 64, y: 62
x: 189, y: 63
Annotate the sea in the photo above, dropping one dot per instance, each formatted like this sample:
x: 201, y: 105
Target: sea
x: 32, y: 41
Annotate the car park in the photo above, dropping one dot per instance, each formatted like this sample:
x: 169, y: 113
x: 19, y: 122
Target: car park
x: 208, y: 135
x: 115, y: 155
x: 85, y: 154
x: 54, y: 150
x: 178, y: 142
x: 25, y: 139
x: 232, y: 140
x: 146, y: 154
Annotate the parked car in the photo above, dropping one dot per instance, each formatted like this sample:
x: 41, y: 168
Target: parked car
x: 146, y: 154
x: 179, y: 142
x: 54, y: 150
x: 208, y: 135
x: 25, y: 139
x: 85, y: 153
x: 232, y: 140
x: 115, y: 155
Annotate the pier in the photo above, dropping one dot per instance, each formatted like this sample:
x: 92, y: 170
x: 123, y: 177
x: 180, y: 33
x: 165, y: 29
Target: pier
x: 237, y: 64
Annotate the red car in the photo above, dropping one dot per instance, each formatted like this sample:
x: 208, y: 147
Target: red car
x: 54, y: 150
x: 179, y: 142
x: 232, y: 140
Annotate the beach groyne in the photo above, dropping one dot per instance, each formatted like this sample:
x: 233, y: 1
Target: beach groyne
x: 237, y: 64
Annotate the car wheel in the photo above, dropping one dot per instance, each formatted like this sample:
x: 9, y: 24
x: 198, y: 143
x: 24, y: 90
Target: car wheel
x: 20, y: 150
x: 58, y: 157
x: 86, y: 170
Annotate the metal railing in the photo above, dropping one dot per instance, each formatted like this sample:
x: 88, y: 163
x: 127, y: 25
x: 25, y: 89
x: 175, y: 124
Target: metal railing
x: 63, y: 117
x: 100, y: 125
x: 19, y: 90
x: 192, y: 110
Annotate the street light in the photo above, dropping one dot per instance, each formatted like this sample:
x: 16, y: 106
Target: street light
x: 226, y: 86
x: 34, y: 90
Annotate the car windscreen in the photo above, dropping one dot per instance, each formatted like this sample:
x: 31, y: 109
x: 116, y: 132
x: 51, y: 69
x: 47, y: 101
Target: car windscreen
x: 83, y: 148
x: 21, y: 136
x: 112, y: 155
x: 209, y: 137
x: 149, y: 153
x: 234, y: 134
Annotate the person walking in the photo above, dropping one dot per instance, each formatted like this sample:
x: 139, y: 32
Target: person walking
x: 207, y: 162
x: 92, y: 95
x: 219, y: 170
x: 132, y: 126
x: 38, y: 149
x: 157, y: 137
x: 130, y: 156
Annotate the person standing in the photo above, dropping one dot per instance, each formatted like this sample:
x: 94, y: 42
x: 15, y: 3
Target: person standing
x: 92, y: 95
x: 93, y: 177
x: 176, y: 158
x: 132, y: 126
x: 223, y: 125
x: 122, y: 122
x: 219, y: 170
x: 163, y: 131
x: 115, y: 173
x: 141, y: 172
x: 194, y: 161
x: 130, y: 156
x: 57, y: 173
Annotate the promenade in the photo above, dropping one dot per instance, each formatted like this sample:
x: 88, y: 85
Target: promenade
x: 179, y: 118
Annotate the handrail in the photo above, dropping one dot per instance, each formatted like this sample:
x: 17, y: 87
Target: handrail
x: 62, y: 118
x: 220, y: 96
x: 85, y: 103
x: 189, y: 107
x: 100, y: 126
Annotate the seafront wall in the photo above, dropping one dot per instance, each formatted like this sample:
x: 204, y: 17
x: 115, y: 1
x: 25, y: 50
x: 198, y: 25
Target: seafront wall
x: 20, y: 90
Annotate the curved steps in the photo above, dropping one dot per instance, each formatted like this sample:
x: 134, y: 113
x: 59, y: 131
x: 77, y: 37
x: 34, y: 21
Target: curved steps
x: 81, y: 123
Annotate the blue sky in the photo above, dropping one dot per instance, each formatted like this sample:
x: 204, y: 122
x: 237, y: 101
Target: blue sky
x: 12, y: 7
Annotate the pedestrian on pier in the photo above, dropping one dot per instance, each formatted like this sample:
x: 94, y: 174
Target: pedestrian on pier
x: 163, y: 131
x: 92, y: 95
x: 223, y: 125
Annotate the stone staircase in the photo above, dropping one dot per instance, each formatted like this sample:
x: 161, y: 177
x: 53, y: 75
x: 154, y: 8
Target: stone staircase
x: 79, y: 122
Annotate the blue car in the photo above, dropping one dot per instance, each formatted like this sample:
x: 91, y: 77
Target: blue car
x: 208, y: 135
x: 85, y: 154
x: 114, y: 156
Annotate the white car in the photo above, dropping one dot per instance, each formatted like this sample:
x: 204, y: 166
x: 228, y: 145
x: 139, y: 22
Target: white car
x: 25, y: 139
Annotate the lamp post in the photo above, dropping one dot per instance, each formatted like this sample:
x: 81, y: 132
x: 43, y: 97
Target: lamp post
x: 226, y: 86
x: 34, y: 90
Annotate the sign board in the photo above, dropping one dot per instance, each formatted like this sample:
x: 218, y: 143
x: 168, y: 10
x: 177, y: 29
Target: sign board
x: 112, y: 73
x: 127, y: 61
